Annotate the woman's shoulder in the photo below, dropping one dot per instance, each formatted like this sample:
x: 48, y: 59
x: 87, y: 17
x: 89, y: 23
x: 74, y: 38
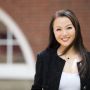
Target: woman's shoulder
x: 43, y: 56
x: 45, y: 53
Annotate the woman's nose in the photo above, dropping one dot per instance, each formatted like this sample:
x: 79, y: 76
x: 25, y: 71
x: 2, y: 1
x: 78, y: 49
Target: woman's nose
x: 64, y: 32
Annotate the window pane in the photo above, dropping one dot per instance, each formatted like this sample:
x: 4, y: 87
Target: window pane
x: 3, y: 54
x: 3, y: 31
x: 17, y: 55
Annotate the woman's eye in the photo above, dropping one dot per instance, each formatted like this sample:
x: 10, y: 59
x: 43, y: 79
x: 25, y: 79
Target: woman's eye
x: 69, y: 27
x: 58, y: 29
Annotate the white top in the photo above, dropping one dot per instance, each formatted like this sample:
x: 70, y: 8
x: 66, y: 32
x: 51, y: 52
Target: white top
x: 69, y: 81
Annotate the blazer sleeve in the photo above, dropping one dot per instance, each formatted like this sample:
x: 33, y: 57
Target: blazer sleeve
x: 37, y: 85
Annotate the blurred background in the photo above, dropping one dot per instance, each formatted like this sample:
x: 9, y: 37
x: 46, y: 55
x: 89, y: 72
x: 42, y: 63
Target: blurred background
x: 24, y: 31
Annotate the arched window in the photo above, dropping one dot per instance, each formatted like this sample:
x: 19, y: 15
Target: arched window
x: 16, y: 56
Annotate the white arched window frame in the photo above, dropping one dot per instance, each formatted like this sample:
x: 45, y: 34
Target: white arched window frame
x: 16, y: 71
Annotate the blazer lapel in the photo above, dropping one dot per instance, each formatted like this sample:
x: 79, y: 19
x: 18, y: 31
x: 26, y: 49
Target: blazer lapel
x: 55, y: 71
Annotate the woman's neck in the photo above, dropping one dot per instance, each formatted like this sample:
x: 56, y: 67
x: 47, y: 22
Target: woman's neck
x: 69, y: 52
x: 70, y: 55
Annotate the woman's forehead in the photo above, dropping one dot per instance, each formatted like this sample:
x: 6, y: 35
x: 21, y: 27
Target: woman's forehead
x: 62, y: 21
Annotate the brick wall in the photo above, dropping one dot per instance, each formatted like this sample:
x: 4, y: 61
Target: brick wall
x: 33, y: 16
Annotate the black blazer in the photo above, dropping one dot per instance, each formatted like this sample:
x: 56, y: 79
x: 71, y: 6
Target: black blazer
x: 49, y: 67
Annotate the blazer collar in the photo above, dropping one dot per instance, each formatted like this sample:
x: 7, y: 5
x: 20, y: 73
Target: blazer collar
x: 57, y: 70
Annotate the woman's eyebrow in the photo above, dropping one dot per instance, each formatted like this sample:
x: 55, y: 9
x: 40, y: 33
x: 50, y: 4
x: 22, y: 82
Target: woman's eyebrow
x: 65, y: 26
x: 58, y: 27
x: 68, y: 25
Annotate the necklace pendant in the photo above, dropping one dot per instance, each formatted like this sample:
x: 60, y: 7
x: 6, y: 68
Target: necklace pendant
x: 68, y: 58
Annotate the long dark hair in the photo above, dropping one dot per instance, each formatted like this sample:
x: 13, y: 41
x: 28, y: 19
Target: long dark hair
x: 78, y: 41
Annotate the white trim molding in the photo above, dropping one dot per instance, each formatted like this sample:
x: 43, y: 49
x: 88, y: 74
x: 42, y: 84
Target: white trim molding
x: 17, y: 71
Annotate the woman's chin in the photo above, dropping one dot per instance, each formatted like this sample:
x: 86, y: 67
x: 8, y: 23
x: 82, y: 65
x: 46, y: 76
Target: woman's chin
x: 65, y: 45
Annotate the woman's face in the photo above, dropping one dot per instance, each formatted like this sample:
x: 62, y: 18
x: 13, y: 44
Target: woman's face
x: 64, y: 31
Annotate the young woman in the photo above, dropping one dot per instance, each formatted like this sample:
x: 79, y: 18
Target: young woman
x: 65, y: 64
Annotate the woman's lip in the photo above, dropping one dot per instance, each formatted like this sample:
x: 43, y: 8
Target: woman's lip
x: 65, y: 39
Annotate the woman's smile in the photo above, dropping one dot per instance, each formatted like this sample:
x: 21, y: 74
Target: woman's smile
x: 65, y: 39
